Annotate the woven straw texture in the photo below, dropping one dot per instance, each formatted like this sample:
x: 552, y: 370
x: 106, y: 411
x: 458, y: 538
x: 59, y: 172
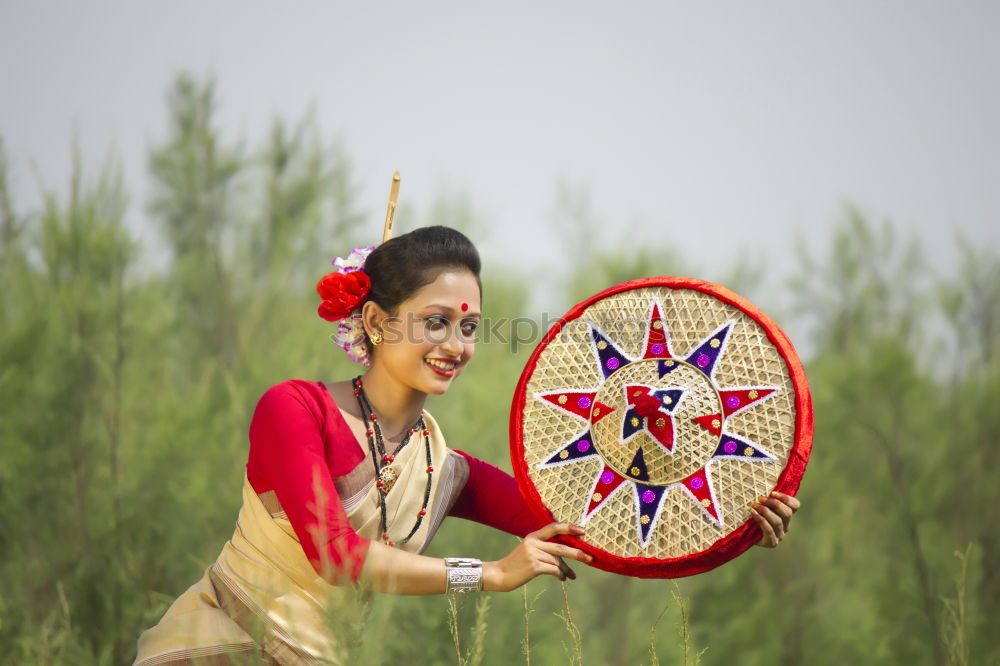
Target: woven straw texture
x: 567, y: 363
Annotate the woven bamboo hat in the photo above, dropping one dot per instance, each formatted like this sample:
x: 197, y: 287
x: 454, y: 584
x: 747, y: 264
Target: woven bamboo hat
x: 655, y: 413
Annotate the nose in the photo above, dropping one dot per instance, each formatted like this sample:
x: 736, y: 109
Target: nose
x: 452, y: 345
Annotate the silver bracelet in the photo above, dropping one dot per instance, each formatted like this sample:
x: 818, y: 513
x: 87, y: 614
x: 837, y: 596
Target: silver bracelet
x: 465, y: 574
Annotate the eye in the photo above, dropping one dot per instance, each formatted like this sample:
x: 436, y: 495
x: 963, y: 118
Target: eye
x: 436, y: 322
x: 469, y: 328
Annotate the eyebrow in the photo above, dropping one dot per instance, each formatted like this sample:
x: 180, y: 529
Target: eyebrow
x: 449, y: 309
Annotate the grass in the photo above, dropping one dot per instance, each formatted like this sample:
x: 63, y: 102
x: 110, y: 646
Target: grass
x: 474, y: 655
x: 528, y: 610
x: 567, y: 615
x: 955, y: 617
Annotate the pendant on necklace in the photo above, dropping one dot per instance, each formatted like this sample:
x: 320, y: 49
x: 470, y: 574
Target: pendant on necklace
x: 387, y: 477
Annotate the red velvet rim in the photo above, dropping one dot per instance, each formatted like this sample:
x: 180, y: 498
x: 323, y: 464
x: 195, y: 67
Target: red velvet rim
x: 742, y: 537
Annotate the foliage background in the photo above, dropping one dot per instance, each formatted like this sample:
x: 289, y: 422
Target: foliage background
x: 126, y: 393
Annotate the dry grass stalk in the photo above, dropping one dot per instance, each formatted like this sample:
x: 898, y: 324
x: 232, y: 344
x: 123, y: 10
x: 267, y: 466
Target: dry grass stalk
x: 955, y: 620
x: 453, y: 626
x: 528, y: 610
x: 654, y: 659
x: 567, y: 616
x: 684, y: 628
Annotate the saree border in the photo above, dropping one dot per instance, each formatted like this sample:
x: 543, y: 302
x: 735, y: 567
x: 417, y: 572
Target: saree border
x: 273, y: 640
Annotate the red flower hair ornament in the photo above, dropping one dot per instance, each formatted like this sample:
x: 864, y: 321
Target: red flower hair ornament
x: 342, y: 293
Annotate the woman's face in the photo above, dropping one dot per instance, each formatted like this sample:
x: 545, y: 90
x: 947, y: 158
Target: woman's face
x: 432, y: 337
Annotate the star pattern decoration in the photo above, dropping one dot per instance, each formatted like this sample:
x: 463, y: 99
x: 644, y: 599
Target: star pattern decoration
x: 647, y: 414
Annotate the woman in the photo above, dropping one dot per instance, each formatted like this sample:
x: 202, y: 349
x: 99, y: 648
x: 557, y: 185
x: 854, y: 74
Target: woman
x: 348, y: 481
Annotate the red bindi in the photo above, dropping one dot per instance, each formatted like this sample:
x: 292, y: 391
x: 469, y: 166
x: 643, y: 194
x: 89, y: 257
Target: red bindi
x: 465, y: 307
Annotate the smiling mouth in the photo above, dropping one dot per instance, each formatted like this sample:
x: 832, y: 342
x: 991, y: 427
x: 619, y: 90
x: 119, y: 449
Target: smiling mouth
x: 444, y: 368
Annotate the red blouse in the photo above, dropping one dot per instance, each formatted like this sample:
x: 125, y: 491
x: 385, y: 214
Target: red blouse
x: 299, y: 442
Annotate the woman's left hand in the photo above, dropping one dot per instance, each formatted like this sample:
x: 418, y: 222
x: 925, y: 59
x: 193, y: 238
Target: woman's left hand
x: 773, y: 515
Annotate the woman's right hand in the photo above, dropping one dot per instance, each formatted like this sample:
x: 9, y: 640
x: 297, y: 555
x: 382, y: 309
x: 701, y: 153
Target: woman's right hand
x: 535, y: 556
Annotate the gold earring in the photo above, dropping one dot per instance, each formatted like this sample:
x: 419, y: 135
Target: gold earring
x: 376, y: 338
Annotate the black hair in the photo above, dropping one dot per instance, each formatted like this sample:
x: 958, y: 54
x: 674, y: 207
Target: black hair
x: 404, y: 264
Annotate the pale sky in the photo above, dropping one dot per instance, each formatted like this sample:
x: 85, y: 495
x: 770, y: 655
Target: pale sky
x: 714, y: 128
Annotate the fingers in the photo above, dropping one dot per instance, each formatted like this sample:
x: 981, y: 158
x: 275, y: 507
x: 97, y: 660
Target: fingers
x: 772, y: 517
x: 552, y: 529
x: 559, y: 550
x: 768, y: 537
x: 549, y: 569
x: 791, y: 501
x: 773, y: 514
x: 559, y: 569
x: 548, y: 554
x: 566, y: 571
x: 783, y: 510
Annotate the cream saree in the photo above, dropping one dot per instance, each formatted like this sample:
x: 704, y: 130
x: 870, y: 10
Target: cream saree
x: 261, y: 601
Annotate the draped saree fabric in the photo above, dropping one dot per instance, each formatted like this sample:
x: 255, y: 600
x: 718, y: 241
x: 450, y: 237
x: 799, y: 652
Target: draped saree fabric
x: 261, y: 601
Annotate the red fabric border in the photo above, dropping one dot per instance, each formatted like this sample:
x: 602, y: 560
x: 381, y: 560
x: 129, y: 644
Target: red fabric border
x: 742, y: 537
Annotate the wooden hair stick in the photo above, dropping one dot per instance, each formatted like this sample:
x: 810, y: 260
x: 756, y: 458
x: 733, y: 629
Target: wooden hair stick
x: 390, y: 213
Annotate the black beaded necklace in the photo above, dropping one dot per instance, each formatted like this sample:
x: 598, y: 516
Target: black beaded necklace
x: 385, y: 475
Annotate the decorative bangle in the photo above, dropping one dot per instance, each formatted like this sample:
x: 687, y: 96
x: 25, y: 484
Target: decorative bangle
x: 465, y: 574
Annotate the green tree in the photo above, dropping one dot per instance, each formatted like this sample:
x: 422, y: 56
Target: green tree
x: 63, y: 352
x: 194, y: 177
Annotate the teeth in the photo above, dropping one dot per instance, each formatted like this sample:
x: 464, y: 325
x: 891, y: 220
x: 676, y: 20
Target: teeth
x: 440, y: 364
